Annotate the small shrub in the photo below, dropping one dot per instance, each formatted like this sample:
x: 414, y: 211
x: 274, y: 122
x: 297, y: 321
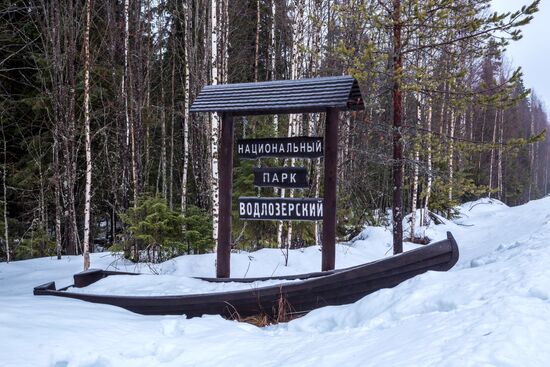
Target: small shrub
x: 155, y: 233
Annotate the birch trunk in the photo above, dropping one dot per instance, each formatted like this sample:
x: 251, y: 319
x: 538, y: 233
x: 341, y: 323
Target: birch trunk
x: 163, y: 155
x: 57, y: 194
x: 125, y: 74
x: 172, y: 124
x: 225, y: 45
x: 215, y: 124
x: 546, y: 169
x: 315, y: 120
x: 257, y: 43
x: 88, y: 143
x: 499, y: 171
x: 273, y: 56
x: 5, y: 194
x: 296, y: 73
x: 429, y: 159
x: 124, y: 91
x: 415, y: 176
x: 185, y: 134
x: 493, y: 154
x: 451, y: 154
x: 532, y: 151
x: 161, y: 26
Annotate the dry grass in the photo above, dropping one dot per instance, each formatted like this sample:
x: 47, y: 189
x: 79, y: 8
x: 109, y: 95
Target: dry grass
x: 418, y: 240
x: 281, y: 312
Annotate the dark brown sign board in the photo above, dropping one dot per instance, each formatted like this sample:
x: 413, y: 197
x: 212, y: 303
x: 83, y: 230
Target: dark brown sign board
x: 297, y: 147
x: 288, y: 177
x: 254, y: 208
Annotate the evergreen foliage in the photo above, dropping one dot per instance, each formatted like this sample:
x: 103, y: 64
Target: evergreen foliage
x: 156, y: 233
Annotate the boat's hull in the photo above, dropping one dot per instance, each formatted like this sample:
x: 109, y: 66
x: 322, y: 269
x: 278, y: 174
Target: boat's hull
x: 300, y: 296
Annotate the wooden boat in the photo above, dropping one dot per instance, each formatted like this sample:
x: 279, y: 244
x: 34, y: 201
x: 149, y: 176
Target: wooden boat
x: 305, y: 293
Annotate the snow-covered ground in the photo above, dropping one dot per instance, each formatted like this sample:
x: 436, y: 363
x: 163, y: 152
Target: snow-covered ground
x: 491, y: 309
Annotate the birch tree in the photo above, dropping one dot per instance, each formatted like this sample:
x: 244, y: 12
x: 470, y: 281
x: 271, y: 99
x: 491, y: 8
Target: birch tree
x: 5, y: 193
x: 185, y: 121
x: 88, y: 143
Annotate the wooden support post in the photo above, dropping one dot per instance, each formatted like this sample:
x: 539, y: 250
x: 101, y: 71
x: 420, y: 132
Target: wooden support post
x: 225, y: 189
x: 329, y: 204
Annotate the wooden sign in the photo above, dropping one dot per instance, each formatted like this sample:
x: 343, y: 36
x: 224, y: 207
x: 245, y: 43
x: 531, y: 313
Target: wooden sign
x: 298, y: 147
x: 292, y: 177
x: 253, y: 208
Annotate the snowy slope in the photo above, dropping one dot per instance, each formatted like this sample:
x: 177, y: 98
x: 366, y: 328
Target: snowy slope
x: 492, y: 309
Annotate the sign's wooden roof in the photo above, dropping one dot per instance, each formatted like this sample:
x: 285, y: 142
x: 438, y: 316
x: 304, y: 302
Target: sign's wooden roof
x: 281, y: 96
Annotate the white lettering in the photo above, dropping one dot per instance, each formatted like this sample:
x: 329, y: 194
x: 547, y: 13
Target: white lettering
x: 312, y: 210
x: 290, y: 208
x: 256, y: 210
x: 318, y: 146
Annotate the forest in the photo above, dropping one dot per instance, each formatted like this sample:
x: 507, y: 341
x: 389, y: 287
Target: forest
x: 99, y: 149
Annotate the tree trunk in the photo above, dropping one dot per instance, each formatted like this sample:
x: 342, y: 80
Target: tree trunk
x: 5, y: 193
x: 415, y: 176
x: 499, y: 167
x: 451, y: 154
x: 397, y: 208
x: 88, y: 144
x: 296, y: 73
x: 315, y: 120
x: 163, y: 155
x: 491, y: 164
x: 57, y: 194
x: 532, y: 151
x: 257, y: 43
x: 546, y: 168
x: 215, y: 124
x: 173, y: 121
x: 429, y: 159
x: 273, y: 61
x: 185, y: 122
x: 124, y: 90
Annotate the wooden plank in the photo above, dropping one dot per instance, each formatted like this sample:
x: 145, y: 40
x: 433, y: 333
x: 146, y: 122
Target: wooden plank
x: 329, y: 214
x: 296, y: 209
x: 336, y: 288
x: 296, y: 147
x: 226, y: 175
x: 285, y: 177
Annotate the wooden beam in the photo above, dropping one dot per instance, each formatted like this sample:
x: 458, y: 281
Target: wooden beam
x: 329, y: 208
x: 226, y: 182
